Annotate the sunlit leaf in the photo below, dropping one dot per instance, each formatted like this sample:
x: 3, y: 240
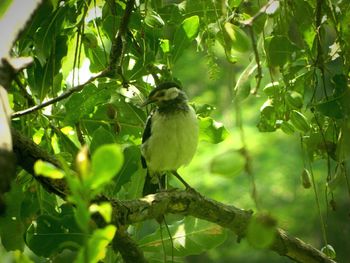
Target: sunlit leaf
x: 106, y: 161
x: 211, y: 131
x: 95, y: 250
x: 236, y: 38
x: 47, y: 170
x: 184, y: 35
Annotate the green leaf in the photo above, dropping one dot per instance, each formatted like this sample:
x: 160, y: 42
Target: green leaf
x: 279, y: 50
x: 106, y: 161
x: 190, y: 236
x: 100, y: 137
x: 132, y: 157
x: 230, y: 163
x: 4, y: 4
x: 12, y: 228
x: 184, y: 35
x: 211, y: 131
x: 51, y: 234
x: 95, y: 251
x: 47, y: 170
x: 86, y: 101
x: 236, y: 38
x: 96, y: 55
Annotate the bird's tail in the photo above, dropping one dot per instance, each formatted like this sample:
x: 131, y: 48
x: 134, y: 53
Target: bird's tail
x: 153, y: 183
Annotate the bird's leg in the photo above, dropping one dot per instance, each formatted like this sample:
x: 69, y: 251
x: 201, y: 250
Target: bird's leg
x: 188, y: 187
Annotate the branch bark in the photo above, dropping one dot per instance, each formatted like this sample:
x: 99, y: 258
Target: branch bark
x: 192, y: 203
x: 228, y: 216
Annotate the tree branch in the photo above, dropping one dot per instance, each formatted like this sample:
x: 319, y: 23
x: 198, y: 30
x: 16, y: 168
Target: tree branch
x: 227, y: 216
x: 114, y: 64
x: 176, y: 202
x: 64, y: 95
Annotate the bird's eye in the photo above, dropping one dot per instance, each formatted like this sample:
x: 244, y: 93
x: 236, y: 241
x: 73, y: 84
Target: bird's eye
x: 161, y: 94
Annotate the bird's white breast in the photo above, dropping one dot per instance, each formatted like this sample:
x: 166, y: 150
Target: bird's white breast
x: 173, y: 140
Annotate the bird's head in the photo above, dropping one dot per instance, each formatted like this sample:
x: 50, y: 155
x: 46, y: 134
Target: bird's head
x: 166, y: 94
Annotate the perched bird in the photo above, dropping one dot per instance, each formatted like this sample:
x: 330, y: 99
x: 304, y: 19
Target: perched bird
x: 170, y: 137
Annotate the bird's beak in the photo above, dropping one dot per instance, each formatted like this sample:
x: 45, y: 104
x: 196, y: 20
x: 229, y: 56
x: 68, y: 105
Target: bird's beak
x: 147, y: 101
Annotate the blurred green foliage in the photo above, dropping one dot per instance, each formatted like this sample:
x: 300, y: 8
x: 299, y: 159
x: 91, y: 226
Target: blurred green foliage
x: 269, y: 81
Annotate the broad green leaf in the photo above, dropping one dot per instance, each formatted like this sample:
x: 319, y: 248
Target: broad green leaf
x: 51, y: 234
x: 95, y: 53
x: 211, y: 131
x: 106, y: 161
x: 100, y: 137
x: 96, y: 248
x: 190, y: 236
x: 83, y: 103
x: 279, y: 50
x: 335, y: 107
x: 230, y: 163
x: 12, y: 228
x: 204, y: 110
x: 184, y: 35
x: 132, y: 159
x: 236, y: 38
x: 47, y: 170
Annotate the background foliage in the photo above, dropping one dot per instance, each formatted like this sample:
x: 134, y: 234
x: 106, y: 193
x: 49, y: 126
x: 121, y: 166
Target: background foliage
x: 270, y: 84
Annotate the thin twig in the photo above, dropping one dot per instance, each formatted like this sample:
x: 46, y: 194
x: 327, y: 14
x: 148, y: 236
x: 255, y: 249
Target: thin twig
x: 114, y: 63
x: 64, y: 95
x: 257, y: 60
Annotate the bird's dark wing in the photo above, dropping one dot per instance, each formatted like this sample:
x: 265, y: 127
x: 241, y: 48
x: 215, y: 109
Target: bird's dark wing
x: 150, y: 187
x: 146, y: 134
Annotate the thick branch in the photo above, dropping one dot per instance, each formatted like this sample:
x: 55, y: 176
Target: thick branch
x: 27, y: 153
x: 228, y: 216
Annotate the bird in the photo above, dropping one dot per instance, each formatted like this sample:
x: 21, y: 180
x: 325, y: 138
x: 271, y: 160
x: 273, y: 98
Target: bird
x: 170, y: 136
